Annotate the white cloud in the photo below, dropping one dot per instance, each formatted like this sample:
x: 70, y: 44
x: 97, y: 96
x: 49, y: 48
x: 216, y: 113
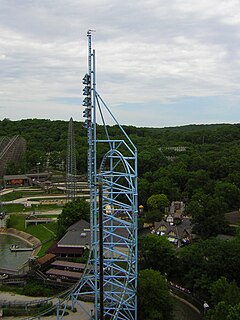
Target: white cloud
x: 148, y: 51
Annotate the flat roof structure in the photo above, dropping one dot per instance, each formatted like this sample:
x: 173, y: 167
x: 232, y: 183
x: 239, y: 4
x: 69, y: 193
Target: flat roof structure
x: 68, y: 264
x: 68, y: 251
x: 78, y: 236
x: 64, y: 273
x: 46, y: 259
x: 16, y: 176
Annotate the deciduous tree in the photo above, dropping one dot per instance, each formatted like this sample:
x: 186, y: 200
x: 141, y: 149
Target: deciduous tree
x: 157, y: 253
x: 154, y: 301
x: 72, y: 212
x: 158, y: 201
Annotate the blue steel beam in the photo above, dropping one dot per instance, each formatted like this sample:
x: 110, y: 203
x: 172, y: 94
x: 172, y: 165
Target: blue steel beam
x: 117, y: 175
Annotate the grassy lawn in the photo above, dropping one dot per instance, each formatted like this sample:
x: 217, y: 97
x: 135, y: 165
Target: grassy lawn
x: 21, y: 194
x: 15, y: 207
x: 43, y: 232
x: 52, y: 226
x: 45, y: 247
x: 11, y: 196
x: 16, y: 194
x: 17, y: 221
x: 39, y: 231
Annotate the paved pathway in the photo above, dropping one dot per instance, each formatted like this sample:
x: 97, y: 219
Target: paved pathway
x: 80, y: 314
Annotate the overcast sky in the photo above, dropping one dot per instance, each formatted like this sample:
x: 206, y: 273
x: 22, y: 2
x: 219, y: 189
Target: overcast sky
x: 159, y: 63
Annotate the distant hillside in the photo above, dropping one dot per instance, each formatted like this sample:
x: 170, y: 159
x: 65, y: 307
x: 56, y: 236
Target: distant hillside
x: 209, y: 153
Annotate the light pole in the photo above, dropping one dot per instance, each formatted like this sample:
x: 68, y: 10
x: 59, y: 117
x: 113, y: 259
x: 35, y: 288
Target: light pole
x: 38, y: 164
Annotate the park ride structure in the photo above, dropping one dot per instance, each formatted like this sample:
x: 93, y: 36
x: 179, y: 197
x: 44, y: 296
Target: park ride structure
x: 11, y: 150
x: 110, y: 277
x: 71, y: 172
x: 109, y: 280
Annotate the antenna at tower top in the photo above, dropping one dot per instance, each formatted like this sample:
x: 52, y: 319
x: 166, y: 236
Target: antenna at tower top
x: 89, y: 35
x: 89, y: 32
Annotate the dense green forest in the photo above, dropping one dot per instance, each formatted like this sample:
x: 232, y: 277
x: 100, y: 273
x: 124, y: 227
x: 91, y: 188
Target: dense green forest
x: 209, y: 154
x: 198, y: 164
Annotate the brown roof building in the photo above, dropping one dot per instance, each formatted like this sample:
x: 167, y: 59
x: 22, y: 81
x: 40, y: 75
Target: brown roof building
x: 74, y: 242
x: 179, y: 234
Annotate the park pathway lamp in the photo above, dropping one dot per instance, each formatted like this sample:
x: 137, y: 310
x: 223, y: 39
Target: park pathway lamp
x: 38, y: 164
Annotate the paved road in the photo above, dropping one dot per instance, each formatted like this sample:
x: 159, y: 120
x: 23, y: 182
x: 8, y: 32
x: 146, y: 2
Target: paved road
x: 53, y: 212
x: 28, y: 199
x: 31, y: 199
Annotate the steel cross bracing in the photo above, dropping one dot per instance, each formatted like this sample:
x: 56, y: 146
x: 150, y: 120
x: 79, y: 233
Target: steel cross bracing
x: 110, y: 277
x: 71, y: 163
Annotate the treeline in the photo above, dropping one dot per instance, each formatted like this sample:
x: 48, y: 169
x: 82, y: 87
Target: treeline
x: 198, y: 164
x: 46, y: 143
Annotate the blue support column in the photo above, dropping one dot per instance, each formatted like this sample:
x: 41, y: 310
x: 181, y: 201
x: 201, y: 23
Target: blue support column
x: 117, y: 175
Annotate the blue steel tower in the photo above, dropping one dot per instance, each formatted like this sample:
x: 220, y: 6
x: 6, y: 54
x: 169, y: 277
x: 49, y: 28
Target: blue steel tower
x: 110, y: 277
x: 71, y: 163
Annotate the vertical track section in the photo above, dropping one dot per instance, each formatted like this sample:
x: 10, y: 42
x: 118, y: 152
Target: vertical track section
x: 110, y: 277
x: 71, y: 163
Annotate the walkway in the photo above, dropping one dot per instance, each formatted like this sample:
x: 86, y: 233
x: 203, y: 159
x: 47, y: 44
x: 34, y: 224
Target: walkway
x: 80, y: 314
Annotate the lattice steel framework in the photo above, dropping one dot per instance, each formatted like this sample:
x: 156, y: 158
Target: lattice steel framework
x: 110, y: 276
x: 71, y: 163
x: 11, y: 150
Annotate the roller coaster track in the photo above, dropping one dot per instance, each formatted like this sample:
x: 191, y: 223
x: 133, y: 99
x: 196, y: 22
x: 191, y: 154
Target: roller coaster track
x: 56, y: 302
x: 11, y: 149
x: 3, y: 142
x: 110, y: 276
x: 71, y: 163
x: 8, y: 146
